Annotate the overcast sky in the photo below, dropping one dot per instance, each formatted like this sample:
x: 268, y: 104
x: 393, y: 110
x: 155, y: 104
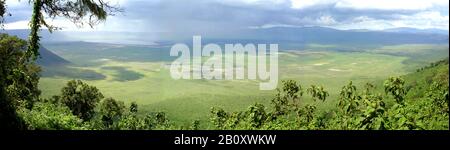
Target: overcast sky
x: 180, y: 16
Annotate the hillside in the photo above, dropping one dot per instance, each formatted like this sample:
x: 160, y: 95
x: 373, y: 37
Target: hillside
x: 414, y: 30
x: 49, y: 58
x: 424, y: 107
x: 421, y: 81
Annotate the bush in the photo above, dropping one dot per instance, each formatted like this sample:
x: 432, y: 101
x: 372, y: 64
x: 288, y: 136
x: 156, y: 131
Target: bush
x: 47, y: 116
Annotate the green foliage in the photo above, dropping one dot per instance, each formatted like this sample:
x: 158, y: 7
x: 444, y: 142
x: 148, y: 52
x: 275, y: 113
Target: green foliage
x: 133, y: 107
x: 76, y: 11
x: 35, y: 24
x: 81, y: 98
x: 111, y: 110
x: 366, y: 110
x: 47, y: 116
x: 23, y: 85
x: 292, y: 89
x: 349, y: 99
x: 306, y: 117
x: 151, y: 121
x: 256, y: 115
x: 19, y: 76
x: 438, y: 94
x: 18, y: 81
x: 318, y: 93
x: 195, y: 125
x: 132, y: 122
x: 373, y: 115
x: 219, y: 117
x: 395, y: 86
x: 430, y: 111
x: 287, y: 98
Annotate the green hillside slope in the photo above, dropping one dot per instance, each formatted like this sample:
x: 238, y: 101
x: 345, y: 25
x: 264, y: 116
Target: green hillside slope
x: 49, y: 58
x: 422, y: 80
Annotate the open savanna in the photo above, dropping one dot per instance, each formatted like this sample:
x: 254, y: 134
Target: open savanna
x: 141, y: 74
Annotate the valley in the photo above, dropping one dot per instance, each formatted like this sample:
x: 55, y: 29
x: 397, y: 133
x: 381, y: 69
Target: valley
x: 135, y: 73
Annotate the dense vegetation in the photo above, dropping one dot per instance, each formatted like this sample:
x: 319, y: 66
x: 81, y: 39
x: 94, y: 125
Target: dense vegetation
x: 19, y: 77
x: 415, y: 101
x: 420, y: 105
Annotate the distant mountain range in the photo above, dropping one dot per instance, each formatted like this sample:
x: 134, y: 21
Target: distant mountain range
x: 417, y: 31
x: 300, y: 35
x: 287, y: 37
x: 321, y: 35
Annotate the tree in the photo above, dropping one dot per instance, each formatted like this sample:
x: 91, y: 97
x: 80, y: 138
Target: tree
x: 111, y: 110
x: 81, y: 98
x: 18, y: 79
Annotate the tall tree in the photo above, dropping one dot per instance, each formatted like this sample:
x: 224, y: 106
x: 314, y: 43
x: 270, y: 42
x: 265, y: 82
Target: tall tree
x: 81, y: 98
x: 111, y: 110
x: 11, y: 50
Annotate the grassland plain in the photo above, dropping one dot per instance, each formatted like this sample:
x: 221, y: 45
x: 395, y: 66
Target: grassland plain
x: 140, y: 74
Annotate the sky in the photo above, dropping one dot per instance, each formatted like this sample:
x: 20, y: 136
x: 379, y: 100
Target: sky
x: 206, y: 16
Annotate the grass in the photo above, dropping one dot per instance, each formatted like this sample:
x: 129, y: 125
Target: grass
x: 148, y: 81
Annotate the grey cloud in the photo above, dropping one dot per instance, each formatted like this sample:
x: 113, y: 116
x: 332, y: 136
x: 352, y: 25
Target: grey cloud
x: 219, y: 17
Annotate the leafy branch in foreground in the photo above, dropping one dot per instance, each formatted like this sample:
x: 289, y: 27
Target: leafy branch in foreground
x: 80, y: 12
